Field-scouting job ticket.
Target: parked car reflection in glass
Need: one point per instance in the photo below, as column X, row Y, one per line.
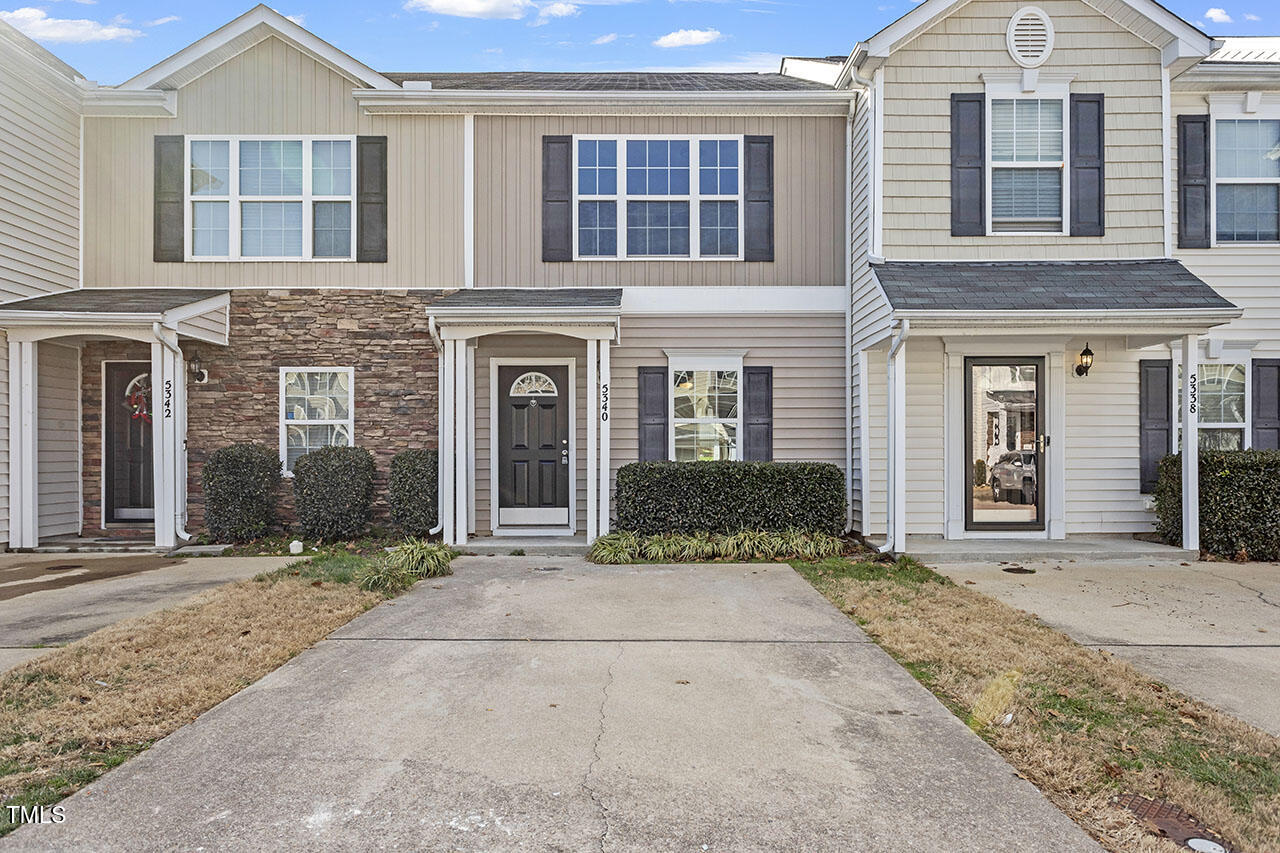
column 1014, row 478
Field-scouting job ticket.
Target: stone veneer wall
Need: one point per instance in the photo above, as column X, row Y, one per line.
column 383, row 334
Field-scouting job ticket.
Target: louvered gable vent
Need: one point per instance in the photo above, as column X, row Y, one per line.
column 1030, row 37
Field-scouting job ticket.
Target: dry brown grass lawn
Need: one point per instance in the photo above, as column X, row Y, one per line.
column 1085, row 726
column 71, row 715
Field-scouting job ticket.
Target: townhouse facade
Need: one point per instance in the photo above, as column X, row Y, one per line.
column 894, row 262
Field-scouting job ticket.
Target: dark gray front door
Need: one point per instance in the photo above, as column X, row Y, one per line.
column 533, row 445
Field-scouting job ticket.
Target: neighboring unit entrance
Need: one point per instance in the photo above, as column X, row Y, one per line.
column 126, row 443
column 533, row 445
column 1005, row 443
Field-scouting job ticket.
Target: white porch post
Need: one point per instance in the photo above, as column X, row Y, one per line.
column 1190, row 443
column 446, row 508
column 471, row 436
column 163, row 434
column 460, row 442
column 605, row 479
column 592, row 395
column 24, row 531
column 897, row 468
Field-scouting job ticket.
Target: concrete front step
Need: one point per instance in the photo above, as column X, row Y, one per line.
column 928, row 549
column 539, row 546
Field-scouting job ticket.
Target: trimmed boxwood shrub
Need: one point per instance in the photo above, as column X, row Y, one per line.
column 241, row 484
column 412, row 490
column 725, row 497
column 333, row 490
column 1239, row 503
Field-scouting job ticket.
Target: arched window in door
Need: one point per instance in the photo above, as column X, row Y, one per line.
column 533, row 384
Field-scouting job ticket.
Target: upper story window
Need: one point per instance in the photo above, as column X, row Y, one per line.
column 1247, row 191
column 657, row 197
column 270, row 198
column 1027, row 164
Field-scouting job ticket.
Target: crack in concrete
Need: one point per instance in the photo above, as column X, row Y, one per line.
column 595, row 754
column 1262, row 596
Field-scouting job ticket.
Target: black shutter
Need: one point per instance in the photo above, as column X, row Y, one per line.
column 371, row 199
column 757, row 417
column 167, row 243
column 1193, row 182
column 968, row 165
column 557, row 198
column 652, row 392
column 757, row 198
column 1088, row 166
column 1266, row 404
column 1155, row 424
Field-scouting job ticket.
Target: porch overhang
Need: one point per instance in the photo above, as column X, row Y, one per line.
column 196, row 314
column 1159, row 325
column 588, row 313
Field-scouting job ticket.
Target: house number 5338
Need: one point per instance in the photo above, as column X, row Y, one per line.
column 604, row 402
column 1194, row 396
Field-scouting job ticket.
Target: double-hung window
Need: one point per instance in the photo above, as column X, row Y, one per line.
column 658, row 197
column 1222, row 395
column 1028, row 162
column 1247, row 192
column 270, row 198
column 316, row 410
column 706, row 408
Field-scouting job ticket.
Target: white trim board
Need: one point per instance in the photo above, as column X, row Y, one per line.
column 720, row 301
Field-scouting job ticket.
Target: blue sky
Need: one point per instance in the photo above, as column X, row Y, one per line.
column 111, row 40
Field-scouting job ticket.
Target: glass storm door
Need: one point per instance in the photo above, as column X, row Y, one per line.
column 1005, row 442
column 127, row 443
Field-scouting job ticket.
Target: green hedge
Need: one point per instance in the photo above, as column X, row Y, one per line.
column 1239, row 503
column 725, row 497
column 333, row 490
column 413, row 490
column 241, row 485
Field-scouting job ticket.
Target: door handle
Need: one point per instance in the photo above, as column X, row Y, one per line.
column 1041, row 443
column 564, row 457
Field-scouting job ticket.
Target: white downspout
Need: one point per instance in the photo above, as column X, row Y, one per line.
column 179, row 513
column 891, row 494
column 848, row 317
column 435, row 338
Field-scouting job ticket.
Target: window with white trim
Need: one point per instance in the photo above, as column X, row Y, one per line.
column 1246, row 165
column 1027, row 139
column 658, row 197
column 316, row 410
column 706, row 409
column 270, row 198
column 1222, row 394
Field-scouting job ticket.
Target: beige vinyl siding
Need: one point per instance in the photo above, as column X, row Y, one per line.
column 1249, row 276
column 58, row 437
column 808, row 203
column 876, row 424
column 39, row 178
column 950, row 57
column 211, row 323
column 273, row 88
column 4, row 437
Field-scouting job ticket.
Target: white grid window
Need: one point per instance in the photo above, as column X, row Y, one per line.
column 1222, row 395
column 317, row 410
column 1028, row 161
column 705, row 394
column 657, row 197
column 270, row 198
column 1247, row 192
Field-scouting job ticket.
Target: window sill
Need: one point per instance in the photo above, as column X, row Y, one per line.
column 202, row 260
column 652, row 258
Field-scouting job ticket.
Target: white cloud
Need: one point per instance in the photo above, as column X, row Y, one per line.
column 1218, row 16
column 745, row 63
column 1249, row 16
column 510, row 9
column 300, row 20
column 687, row 38
column 38, row 25
column 605, row 39
column 160, row 22
column 557, row 9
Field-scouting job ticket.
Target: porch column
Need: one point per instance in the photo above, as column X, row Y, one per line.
column 604, row 436
column 897, row 467
column 460, row 441
column 471, row 436
column 592, row 395
column 1190, row 443
column 163, row 440
column 446, row 507
column 24, row 494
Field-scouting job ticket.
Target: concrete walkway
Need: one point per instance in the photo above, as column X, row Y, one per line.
column 547, row 704
column 1211, row 630
column 57, row 599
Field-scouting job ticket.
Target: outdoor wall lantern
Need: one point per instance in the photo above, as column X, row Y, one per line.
column 1086, row 361
column 198, row 373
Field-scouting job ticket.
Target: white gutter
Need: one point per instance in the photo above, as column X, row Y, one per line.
column 179, row 515
column 440, row 97
column 435, row 338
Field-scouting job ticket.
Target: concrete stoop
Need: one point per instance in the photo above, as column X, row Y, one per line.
column 533, row 546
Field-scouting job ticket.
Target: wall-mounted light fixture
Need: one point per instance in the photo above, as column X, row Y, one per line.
column 1086, row 361
column 198, row 373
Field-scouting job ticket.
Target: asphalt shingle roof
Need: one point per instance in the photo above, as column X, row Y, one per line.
column 1048, row 286
column 538, row 297
column 143, row 300
column 629, row 81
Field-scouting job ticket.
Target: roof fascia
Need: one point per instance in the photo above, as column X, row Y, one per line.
column 461, row 100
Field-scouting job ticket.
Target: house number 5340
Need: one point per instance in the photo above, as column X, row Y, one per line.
column 604, row 402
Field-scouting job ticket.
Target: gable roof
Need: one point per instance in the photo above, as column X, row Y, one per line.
column 259, row 23
column 623, row 81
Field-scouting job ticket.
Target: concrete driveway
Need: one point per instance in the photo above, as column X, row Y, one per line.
column 1211, row 630
column 49, row 600
column 547, row 704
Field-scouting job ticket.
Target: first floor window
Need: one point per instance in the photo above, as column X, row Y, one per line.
column 1222, row 412
column 316, row 410
column 705, row 414
column 1247, row 195
column 1027, row 164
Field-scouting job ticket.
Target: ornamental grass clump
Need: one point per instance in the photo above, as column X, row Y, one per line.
column 744, row 545
column 615, row 549
column 422, row 559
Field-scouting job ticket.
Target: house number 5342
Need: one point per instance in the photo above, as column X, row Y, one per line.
column 604, row 402
column 168, row 398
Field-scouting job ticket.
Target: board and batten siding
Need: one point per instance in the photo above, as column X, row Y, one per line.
column 58, row 439
column 272, row 88
column 808, row 203
column 1247, row 275
column 919, row 79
